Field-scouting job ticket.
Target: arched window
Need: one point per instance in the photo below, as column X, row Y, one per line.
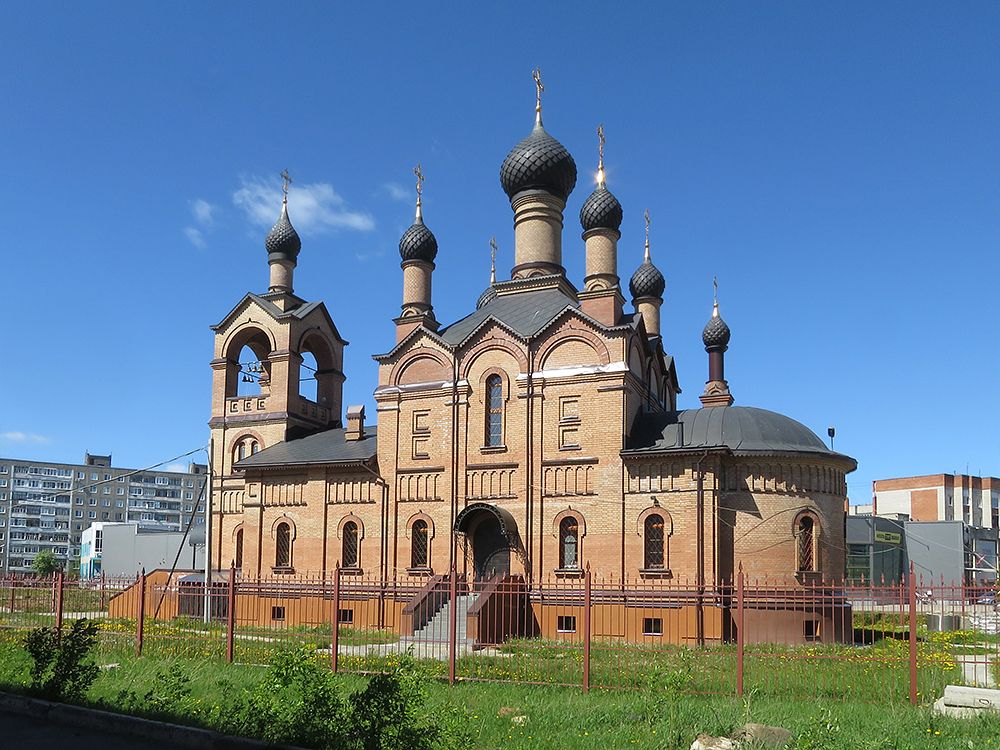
column 805, row 533
column 419, row 544
column 239, row 548
column 494, row 411
column 569, row 543
column 241, row 450
column 654, row 542
column 254, row 447
column 349, row 556
column 283, row 546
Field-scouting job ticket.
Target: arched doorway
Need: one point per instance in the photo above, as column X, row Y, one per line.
column 490, row 549
column 491, row 532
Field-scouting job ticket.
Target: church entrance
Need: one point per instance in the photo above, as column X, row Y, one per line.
column 490, row 550
column 490, row 537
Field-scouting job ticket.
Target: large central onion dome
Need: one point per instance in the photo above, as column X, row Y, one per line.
column 282, row 242
column 539, row 162
column 647, row 281
column 418, row 243
column 601, row 210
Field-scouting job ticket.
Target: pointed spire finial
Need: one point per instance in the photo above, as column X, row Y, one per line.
column 420, row 190
column 646, row 217
column 286, row 180
column 493, row 261
column 600, row 155
column 715, row 297
column 536, row 74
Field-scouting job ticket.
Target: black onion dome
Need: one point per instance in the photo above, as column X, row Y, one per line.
column 282, row 242
column 486, row 297
column 539, row 162
column 647, row 281
column 418, row 243
column 716, row 334
column 601, row 211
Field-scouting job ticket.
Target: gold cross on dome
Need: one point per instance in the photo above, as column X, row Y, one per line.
column 286, row 180
column 536, row 74
column 645, row 215
column 715, row 293
column 600, row 146
column 420, row 180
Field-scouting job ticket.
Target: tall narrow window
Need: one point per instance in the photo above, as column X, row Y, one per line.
column 418, row 544
column 806, row 533
column 350, row 548
column 241, row 451
column 494, row 411
column 283, row 546
column 238, row 560
column 654, row 542
column 254, row 447
column 569, row 544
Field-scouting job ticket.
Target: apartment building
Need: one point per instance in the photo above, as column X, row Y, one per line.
column 937, row 497
column 47, row 506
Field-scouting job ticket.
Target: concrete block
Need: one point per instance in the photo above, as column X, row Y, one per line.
column 956, row 712
column 971, row 697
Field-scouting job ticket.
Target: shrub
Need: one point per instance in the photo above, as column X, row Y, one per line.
column 60, row 669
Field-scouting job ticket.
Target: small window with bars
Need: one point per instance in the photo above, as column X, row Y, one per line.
column 283, row 546
column 806, row 544
column 419, row 544
column 349, row 550
column 654, row 542
column 569, row 544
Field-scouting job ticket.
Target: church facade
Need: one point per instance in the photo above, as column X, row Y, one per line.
column 534, row 438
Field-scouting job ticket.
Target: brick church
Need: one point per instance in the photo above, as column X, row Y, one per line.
column 534, row 437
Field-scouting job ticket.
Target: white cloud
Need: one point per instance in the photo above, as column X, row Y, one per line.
column 397, row 192
column 176, row 467
column 203, row 212
column 364, row 257
column 23, row 437
column 313, row 208
column 195, row 236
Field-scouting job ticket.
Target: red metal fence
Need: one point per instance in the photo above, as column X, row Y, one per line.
column 879, row 642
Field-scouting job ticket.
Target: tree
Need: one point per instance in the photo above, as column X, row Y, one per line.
column 45, row 563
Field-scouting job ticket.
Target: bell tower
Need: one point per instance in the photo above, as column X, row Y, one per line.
column 277, row 375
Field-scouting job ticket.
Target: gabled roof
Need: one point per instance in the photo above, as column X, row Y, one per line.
column 277, row 313
column 328, row 447
column 525, row 313
column 741, row 429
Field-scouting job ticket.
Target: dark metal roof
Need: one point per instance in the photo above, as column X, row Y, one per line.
column 418, row 243
column 282, row 242
column 277, row 313
column 601, row 210
column 328, row 447
column 489, row 294
column 539, row 162
column 647, row 281
column 741, row 429
column 525, row 313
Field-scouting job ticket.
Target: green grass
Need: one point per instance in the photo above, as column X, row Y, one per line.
column 564, row 717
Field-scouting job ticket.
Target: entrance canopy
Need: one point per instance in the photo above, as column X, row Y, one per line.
column 508, row 526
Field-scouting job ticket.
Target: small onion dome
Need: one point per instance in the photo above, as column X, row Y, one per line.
column 539, row 162
column 716, row 333
column 418, row 243
column 601, row 211
column 486, row 297
column 282, row 242
column 647, row 281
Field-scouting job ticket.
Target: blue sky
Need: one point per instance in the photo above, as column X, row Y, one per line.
column 836, row 165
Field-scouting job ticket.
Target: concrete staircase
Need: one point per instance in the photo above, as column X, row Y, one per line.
column 436, row 629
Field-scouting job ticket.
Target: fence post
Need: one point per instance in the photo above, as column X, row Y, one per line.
column 335, row 635
column 740, row 576
column 141, row 614
column 13, row 584
column 912, row 585
column 452, row 623
column 586, row 629
column 59, row 605
column 231, row 614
